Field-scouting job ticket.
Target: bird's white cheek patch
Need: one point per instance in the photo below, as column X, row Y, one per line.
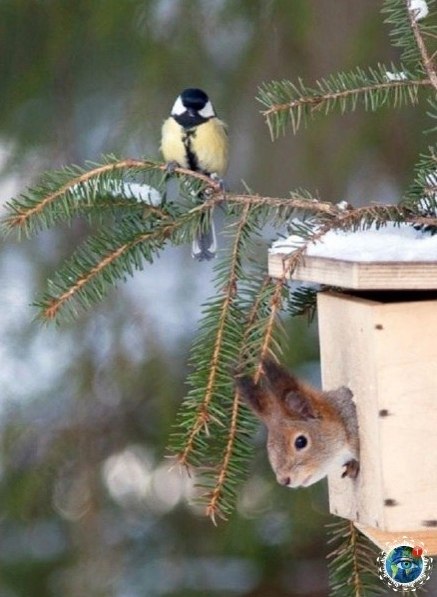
column 207, row 111
column 178, row 107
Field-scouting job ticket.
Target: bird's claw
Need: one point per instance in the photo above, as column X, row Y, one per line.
column 218, row 181
column 170, row 167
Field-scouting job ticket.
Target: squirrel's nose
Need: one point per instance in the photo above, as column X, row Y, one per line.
column 284, row 480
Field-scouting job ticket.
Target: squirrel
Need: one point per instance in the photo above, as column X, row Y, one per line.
column 310, row 433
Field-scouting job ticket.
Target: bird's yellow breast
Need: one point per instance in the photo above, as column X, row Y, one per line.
column 172, row 145
column 208, row 142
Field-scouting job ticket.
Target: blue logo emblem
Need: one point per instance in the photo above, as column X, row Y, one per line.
column 404, row 565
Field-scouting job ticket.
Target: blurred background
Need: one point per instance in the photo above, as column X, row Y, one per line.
column 87, row 503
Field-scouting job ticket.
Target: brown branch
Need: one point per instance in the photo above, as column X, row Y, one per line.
column 57, row 303
column 19, row 219
column 319, row 207
column 315, row 101
column 275, row 307
column 202, row 412
column 422, row 220
column 213, row 508
column 403, row 212
column 427, row 61
column 253, row 314
column 295, row 201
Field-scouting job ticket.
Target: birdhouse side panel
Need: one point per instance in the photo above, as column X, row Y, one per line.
column 386, row 353
column 346, row 332
column 406, row 349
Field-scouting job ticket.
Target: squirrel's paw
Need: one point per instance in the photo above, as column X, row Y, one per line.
column 352, row 468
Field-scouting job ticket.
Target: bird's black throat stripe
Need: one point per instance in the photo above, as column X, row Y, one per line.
column 187, row 138
column 189, row 119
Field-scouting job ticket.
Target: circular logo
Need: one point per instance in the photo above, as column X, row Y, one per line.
column 404, row 565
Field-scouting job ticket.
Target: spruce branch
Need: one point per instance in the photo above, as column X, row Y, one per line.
column 111, row 255
column 401, row 33
column 303, row 300
column 257, row 341
column 255, row 310
column 30, row 207
column 276, row 304
column 352, row 563
column 293, row 103
column 214, row 507
column 85, row 278
column 73, row 191
column 221, row 456
column 298, row 200
column 281, row 209
column 421, row 198
column 203, row 414
column 427, row 60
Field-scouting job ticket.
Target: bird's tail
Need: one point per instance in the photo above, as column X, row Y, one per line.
column 204, row 245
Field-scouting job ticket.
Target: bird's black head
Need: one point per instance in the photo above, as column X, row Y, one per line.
column 192, row 107
column 196, row 99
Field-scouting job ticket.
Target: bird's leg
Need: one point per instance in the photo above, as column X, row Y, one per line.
column 170, row 167
column 169, row 170
column 219, row 181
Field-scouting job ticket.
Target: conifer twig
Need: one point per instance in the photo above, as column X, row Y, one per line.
column 275, row 307
column 203, row 414
column 427, row 60
column 213, row 506
column 295, row 201
column 352, row 562
column 22, row 214
column 51, row 311
column 19, row 219
column 316, row 101
column 325, row 208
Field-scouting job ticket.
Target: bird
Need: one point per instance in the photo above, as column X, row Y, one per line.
column 193, row 137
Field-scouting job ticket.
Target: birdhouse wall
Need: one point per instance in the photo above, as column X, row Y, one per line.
column 386, row 353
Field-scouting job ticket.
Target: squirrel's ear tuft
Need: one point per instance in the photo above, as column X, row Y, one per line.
column 278, row 379
column 299, row 406
column 253, row 394
column 273, row 372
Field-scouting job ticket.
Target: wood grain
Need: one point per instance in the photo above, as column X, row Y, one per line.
column 386, row 353
column 359, row 275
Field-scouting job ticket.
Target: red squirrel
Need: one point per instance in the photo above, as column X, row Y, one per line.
column 310, row 433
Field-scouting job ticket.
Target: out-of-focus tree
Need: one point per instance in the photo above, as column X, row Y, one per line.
column 88, row 504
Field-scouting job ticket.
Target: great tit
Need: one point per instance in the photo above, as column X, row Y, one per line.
column 193, row 137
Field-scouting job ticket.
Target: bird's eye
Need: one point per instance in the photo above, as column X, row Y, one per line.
column 300, row 442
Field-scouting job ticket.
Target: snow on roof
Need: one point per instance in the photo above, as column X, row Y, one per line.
column 392, row 242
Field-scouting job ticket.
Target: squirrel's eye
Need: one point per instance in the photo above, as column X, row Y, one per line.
column 300, row 442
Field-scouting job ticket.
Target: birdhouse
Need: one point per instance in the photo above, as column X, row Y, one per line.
column 379, row 338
